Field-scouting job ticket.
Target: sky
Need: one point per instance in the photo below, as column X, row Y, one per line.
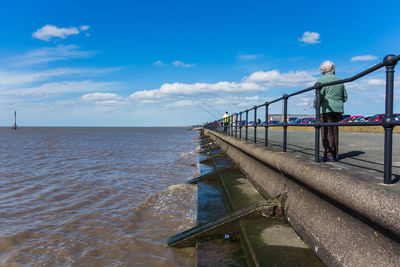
column 173, row 63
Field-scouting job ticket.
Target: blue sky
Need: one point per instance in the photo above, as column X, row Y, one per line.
column 144, row 63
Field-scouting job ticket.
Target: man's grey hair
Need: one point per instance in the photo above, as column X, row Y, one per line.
column 327, row 66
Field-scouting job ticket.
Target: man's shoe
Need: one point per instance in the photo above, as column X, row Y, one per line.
column 330, row 159
column 322, row 159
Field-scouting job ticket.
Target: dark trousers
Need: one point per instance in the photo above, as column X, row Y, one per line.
column 330, row 134
column 225, row 127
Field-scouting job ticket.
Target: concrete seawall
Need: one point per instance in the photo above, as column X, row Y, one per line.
column 347, row 219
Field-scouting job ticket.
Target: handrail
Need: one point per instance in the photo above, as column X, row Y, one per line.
column 388, row 122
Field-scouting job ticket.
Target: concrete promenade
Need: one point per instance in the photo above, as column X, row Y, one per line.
column 342, row 209
column 359, row 152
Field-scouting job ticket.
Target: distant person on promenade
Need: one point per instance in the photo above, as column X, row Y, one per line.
column 234, row 120
column 225, row 119
column 331, row 110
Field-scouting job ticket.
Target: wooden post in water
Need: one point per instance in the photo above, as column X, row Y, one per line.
column 15, row 127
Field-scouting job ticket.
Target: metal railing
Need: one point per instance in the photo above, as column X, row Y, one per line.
column 388, row 122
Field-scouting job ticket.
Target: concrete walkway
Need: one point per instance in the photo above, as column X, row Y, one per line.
column 359, row 152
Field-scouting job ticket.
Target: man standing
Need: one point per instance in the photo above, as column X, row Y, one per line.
column 225, row 119
column 331, row 110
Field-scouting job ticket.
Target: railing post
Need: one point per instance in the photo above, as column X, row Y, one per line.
column 247, row 123
column 284, row 124
column 266, row 124
column 390, row 63
column 236, row 124
column 231, row 125
column 240, row 125
column 317, row 120
column 255, row 124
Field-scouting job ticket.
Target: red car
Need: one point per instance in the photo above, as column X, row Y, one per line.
column 308, row 120
column 350, row 119
column 377, row 117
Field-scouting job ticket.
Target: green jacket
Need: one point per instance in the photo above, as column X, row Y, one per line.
column 332, row 97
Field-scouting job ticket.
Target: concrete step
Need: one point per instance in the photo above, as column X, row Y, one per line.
column 272, row 242
column 237, row 226
column 238, row 190
column 267, row 240
column 220, row 252
column 209, row 175
column 219, row 227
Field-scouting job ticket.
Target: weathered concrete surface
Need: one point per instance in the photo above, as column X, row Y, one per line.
column 267, row 239
column 333, row 230
column 274, row 243
column 219, row 253
column 375, row 201
column 361, row 153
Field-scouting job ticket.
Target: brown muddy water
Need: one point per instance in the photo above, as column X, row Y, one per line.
column 96, row 196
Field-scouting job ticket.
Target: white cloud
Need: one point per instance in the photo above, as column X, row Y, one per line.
column 147, row 101
column 49, row 54
column 54, row 89
column 182, row 89
column 182, row 103
column 48, row 32
column 372, row 84
column 310, row 38
column 178, row 63
column 364, row 58
column 101, row 97
column 256, row 82
column 160, row 63
column 84, row 28
column 274, row 78
column 236, row 101
column 376, row 82
column 248, row 57
column 111, row 103
column 12, row 79
column 304, row 101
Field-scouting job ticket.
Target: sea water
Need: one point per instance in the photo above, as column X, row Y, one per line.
column 96, row 196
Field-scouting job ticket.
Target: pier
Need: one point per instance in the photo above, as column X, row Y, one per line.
column 346, row 212
column 348, row 218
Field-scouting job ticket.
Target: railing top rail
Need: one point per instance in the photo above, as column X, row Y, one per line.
column 391, row 59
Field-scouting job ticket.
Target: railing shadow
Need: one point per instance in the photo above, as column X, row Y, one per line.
column 352, row 155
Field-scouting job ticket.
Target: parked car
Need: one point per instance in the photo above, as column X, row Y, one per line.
column 365, row 118
column 301, row 120
column 359, row 119
column 350, row 119
column 379, row 117
column 307, row 120
column 274, row 122
column 292, row 119
column 376, row 117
